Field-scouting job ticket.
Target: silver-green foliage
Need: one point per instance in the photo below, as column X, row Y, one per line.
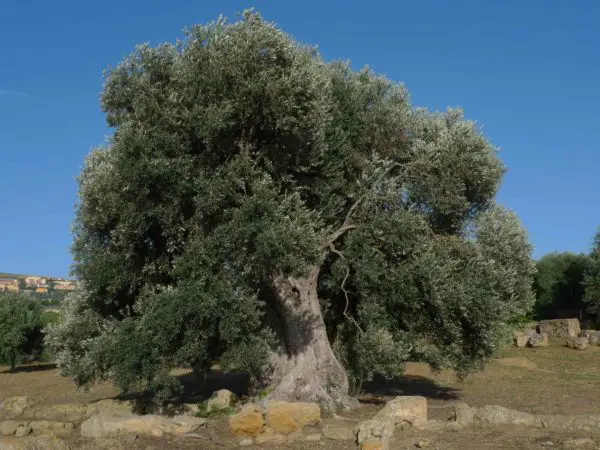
column 558, row 283
column 20, row 329
column 238, row 154
column 591, row 280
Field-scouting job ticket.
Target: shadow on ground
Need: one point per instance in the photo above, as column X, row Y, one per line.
column 238, row 383
column 31, row 368
column 409, row 385
column 195, row 391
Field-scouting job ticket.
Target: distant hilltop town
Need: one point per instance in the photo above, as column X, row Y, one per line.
column 33, row 283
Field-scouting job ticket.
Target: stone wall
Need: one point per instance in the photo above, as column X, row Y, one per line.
column 560, row 327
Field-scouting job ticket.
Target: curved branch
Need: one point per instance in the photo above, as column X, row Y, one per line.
column 336, row 235
column 345, row 226
column 344, row 290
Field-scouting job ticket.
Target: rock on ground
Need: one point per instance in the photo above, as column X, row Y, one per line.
column 374, row 434
column 578, row 343
column 110, row 407
column 560, row 327
column 411, row 409
column 377, row 432
column 248, row 422
column 338, row 432
column 493, row 415
column 220, row 400
column 23, row 430
column 538, row 340
column 592, row 335
column 499, row 415
column 287, row 417
column 588, row 333
column 61, row 413
column 565, row 422
column 463, row 414
column 48, row 442
column 372, row 445
column 25, row 408
column 269, row 435
column 56, row 427
column 578, row 443
column 100, row 426
column 521, row 340
column 313, row 437
column 9, row 427
column 14, row 407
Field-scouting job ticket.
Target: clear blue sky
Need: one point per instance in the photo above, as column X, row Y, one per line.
column 528, row 71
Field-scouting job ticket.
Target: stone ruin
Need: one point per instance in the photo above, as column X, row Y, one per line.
column 25, row 425
column 536, row 335
column 563, row 328
column 530, row 337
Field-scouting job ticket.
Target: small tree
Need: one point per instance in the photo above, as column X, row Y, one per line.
column 591, row 280
column 558, row 284
column 20, row 329
column 285, row 216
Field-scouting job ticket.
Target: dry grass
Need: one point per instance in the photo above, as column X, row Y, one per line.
column 551, row 380
column 547, row 380
column 43, row 383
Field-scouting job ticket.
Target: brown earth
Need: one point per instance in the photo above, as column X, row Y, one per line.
column 546, row 380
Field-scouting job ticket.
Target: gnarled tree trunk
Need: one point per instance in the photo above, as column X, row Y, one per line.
column 305, row 366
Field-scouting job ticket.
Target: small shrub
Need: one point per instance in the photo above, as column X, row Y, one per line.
column 216, row 414
column 21, row 337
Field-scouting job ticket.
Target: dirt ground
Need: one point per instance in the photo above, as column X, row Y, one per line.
column 551, row 380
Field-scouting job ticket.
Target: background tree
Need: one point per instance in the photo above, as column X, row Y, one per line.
column 261, row 207
column 592, row 279
column 558, row 284
column 21, row 336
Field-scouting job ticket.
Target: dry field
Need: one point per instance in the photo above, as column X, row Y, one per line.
column 552, row 380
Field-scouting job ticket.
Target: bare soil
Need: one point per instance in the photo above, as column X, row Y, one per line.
column 551, row 380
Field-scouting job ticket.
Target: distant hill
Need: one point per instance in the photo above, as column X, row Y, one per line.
column 20, row 276
column 49, row 290
column 12, row 275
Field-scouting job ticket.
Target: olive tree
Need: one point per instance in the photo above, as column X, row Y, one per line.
column 591, row 281
column 20, row 329
column 285, row 216
column 558, row 283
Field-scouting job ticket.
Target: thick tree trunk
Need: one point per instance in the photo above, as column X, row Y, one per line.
column 305, row 367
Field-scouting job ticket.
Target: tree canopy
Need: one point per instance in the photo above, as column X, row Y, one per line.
column 259, row 206
column 592, row 279
column 20, row 329
column 558, row 284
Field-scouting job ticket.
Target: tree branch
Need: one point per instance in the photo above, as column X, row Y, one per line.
column 345, row 227
column 350, row 211
column 343, row 287
column 336, row 235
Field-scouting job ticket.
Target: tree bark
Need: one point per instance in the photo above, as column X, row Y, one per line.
column 305, row 366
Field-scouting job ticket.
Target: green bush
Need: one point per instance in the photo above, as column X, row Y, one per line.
column 21, row 337
column 215, row 414
column 558, row 284
column 591, row 280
